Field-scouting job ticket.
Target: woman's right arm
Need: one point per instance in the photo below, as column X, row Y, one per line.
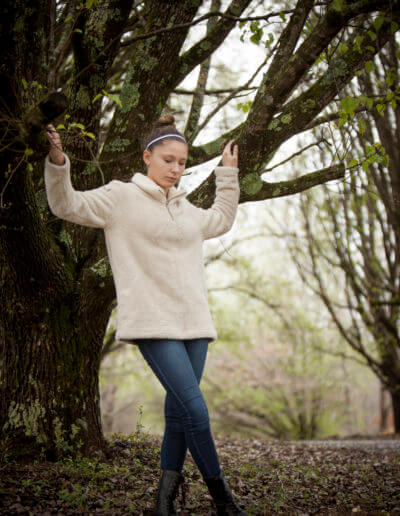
column 93, row 208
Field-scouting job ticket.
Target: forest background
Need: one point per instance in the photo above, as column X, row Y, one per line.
column 292, row 377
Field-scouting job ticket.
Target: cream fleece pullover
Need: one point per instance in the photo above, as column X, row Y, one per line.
column 155, row 246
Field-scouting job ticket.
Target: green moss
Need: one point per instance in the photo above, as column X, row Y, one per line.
column 274, row 125
column 65, row 237
column 333, row 72
column 90, row 169
column 184, row 68
column 307, row 105
column 149, row 63
column 235, row 10
column 277, row 191
column 251, row 183
column 101, row 268
column 27, row 417
column 83, row 97
column 96, row 82
column 205, row 45
column 286, row 119
column 117, row 145
column 19, row 25
column 129, row 96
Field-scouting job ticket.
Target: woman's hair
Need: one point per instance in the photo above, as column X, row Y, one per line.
column 164, row 125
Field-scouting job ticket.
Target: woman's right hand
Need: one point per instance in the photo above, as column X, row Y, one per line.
column 55, row 152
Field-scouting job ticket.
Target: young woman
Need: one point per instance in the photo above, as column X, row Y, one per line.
column 154, row 238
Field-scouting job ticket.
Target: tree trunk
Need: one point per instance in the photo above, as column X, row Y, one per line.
column 49, row 393
column 396, row 409
column 384, row 409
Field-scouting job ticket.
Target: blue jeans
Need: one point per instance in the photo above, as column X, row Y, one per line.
column 179, row 364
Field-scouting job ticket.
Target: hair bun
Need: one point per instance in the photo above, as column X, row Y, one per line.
column 166, row 120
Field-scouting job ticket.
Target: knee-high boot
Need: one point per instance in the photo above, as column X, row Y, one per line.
column 223, row 497
column 167, row 490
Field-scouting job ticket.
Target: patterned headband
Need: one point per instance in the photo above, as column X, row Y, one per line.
column 165, row 136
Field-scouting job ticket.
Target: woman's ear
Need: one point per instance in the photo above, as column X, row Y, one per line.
column 146, row 156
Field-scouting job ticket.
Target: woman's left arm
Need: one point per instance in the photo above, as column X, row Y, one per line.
column 219, row 219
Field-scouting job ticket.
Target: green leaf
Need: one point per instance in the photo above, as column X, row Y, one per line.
column 77, row 124
column 256, row 38
column 365, row 166
column 28, row 152
column 90, row 135
column 115, row 98
column 369, row 66
column 370, row 48
column 363, row 99
column 370, row 103
column 380, row 108
column 395, row 27
column 353, row 163
column 362, row 126
column 389, row 95
column 60, row 126
column 343, row 48
column 254, row 26
column 389, row 79
column 269, row 40
column 98, row 96
column 357, row 44
column 24, row 83
column 283, row 17
column 372, row 35
column 245, row 106
column 78, row 30
column 349, row 105
column 378, row 22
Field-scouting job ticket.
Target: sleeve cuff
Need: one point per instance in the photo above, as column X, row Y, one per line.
column 53, row 166
column 221, row 170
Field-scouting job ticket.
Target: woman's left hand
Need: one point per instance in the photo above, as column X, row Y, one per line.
column 229, row 158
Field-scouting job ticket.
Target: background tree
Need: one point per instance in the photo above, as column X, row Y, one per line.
column 353, row 231
column 57, row 288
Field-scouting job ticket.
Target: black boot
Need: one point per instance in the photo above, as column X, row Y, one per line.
column 222, row 496
column 167, row 490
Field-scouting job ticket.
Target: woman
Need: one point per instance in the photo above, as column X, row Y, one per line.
column 154, row 238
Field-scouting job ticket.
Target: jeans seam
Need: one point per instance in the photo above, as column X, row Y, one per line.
column 177, row 397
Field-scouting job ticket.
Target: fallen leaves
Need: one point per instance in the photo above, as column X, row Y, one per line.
column 266, row 477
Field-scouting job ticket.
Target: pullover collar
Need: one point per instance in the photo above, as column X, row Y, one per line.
column 152, row 188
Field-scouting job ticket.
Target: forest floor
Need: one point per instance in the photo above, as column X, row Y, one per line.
column 357, row 475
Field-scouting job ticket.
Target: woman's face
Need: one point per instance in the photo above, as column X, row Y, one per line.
column 166, row 162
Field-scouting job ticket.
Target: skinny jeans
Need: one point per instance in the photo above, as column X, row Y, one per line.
column 179, row 364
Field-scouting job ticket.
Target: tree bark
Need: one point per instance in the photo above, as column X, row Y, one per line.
column 395, row 395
